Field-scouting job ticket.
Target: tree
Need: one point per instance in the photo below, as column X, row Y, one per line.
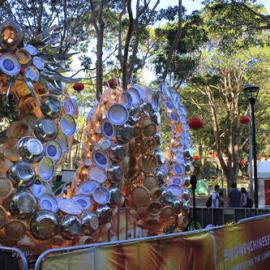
column 39, row 16
column 183, row 61
column 219, row 50
column 144, row 15
column 236, row 19
column 216, row 90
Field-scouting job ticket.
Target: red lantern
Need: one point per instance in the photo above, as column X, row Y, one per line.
column 196, row 122
column 196, row 157
column 244, row 119
column 112, row 83
column 78, row 86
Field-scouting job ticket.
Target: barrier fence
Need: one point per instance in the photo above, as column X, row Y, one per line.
column 245, row 245
column 126, row 229
column 12, row 258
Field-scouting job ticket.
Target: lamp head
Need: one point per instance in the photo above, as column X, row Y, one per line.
column 251, row 91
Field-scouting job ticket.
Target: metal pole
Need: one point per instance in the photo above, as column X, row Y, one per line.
column 193, row 182
column 250, row 154
column 252, row 102
column 194, row 208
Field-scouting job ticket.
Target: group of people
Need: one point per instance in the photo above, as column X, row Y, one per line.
column 237, row 198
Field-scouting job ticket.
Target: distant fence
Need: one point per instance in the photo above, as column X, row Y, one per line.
column 221, row 216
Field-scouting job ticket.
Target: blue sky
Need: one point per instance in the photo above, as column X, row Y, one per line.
column 191, row 5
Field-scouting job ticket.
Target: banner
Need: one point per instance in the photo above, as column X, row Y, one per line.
column 235, row 247
column 243, row 246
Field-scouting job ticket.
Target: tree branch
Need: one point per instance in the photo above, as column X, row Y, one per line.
column 175, row 42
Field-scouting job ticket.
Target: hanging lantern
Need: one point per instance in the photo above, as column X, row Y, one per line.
column 112, row 83
column 196, row 157
column 244, row 119
column 78, row 86
column 196, row 122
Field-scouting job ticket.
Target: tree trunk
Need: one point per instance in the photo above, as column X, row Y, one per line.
column 134, row 54
column 128, row 39
column 97, row 19
column 99, row 70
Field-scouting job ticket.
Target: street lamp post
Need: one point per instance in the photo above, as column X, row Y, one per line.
column 251, row 92
column 250, row 155
column 193, row 182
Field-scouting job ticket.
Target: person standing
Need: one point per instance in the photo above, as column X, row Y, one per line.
column 234, row 196
column 216, row 198
column 243, row 197
column 221, row 200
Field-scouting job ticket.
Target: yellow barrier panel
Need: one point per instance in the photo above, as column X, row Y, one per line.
column 234, row 247
column 77, row 260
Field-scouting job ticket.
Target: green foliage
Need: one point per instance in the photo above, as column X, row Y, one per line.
column 193, row 35
column 222, row 47
column 234, row 24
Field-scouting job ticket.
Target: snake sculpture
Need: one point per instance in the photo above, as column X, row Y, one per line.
column 122, row 163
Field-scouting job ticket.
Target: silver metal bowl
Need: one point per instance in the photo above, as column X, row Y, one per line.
column 115, row 174
column 45, row 129
column 177, row 205
column 134, row 116
column 116, row 197
column 43, row 224
column 104, row 214
column 22, row 204
column 159, row 155
column 160, row 175
column 125, row 133
column 155, row 117
column 118, row 152
column 149, row 130
column 147, row 107
column 30, row 149
column 157, row 138
column 70, row 226
column 167, row 196
column 51, row 107
column 22, row 174
column 89, row 222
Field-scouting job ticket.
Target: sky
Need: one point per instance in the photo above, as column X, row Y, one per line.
column 192, row 5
